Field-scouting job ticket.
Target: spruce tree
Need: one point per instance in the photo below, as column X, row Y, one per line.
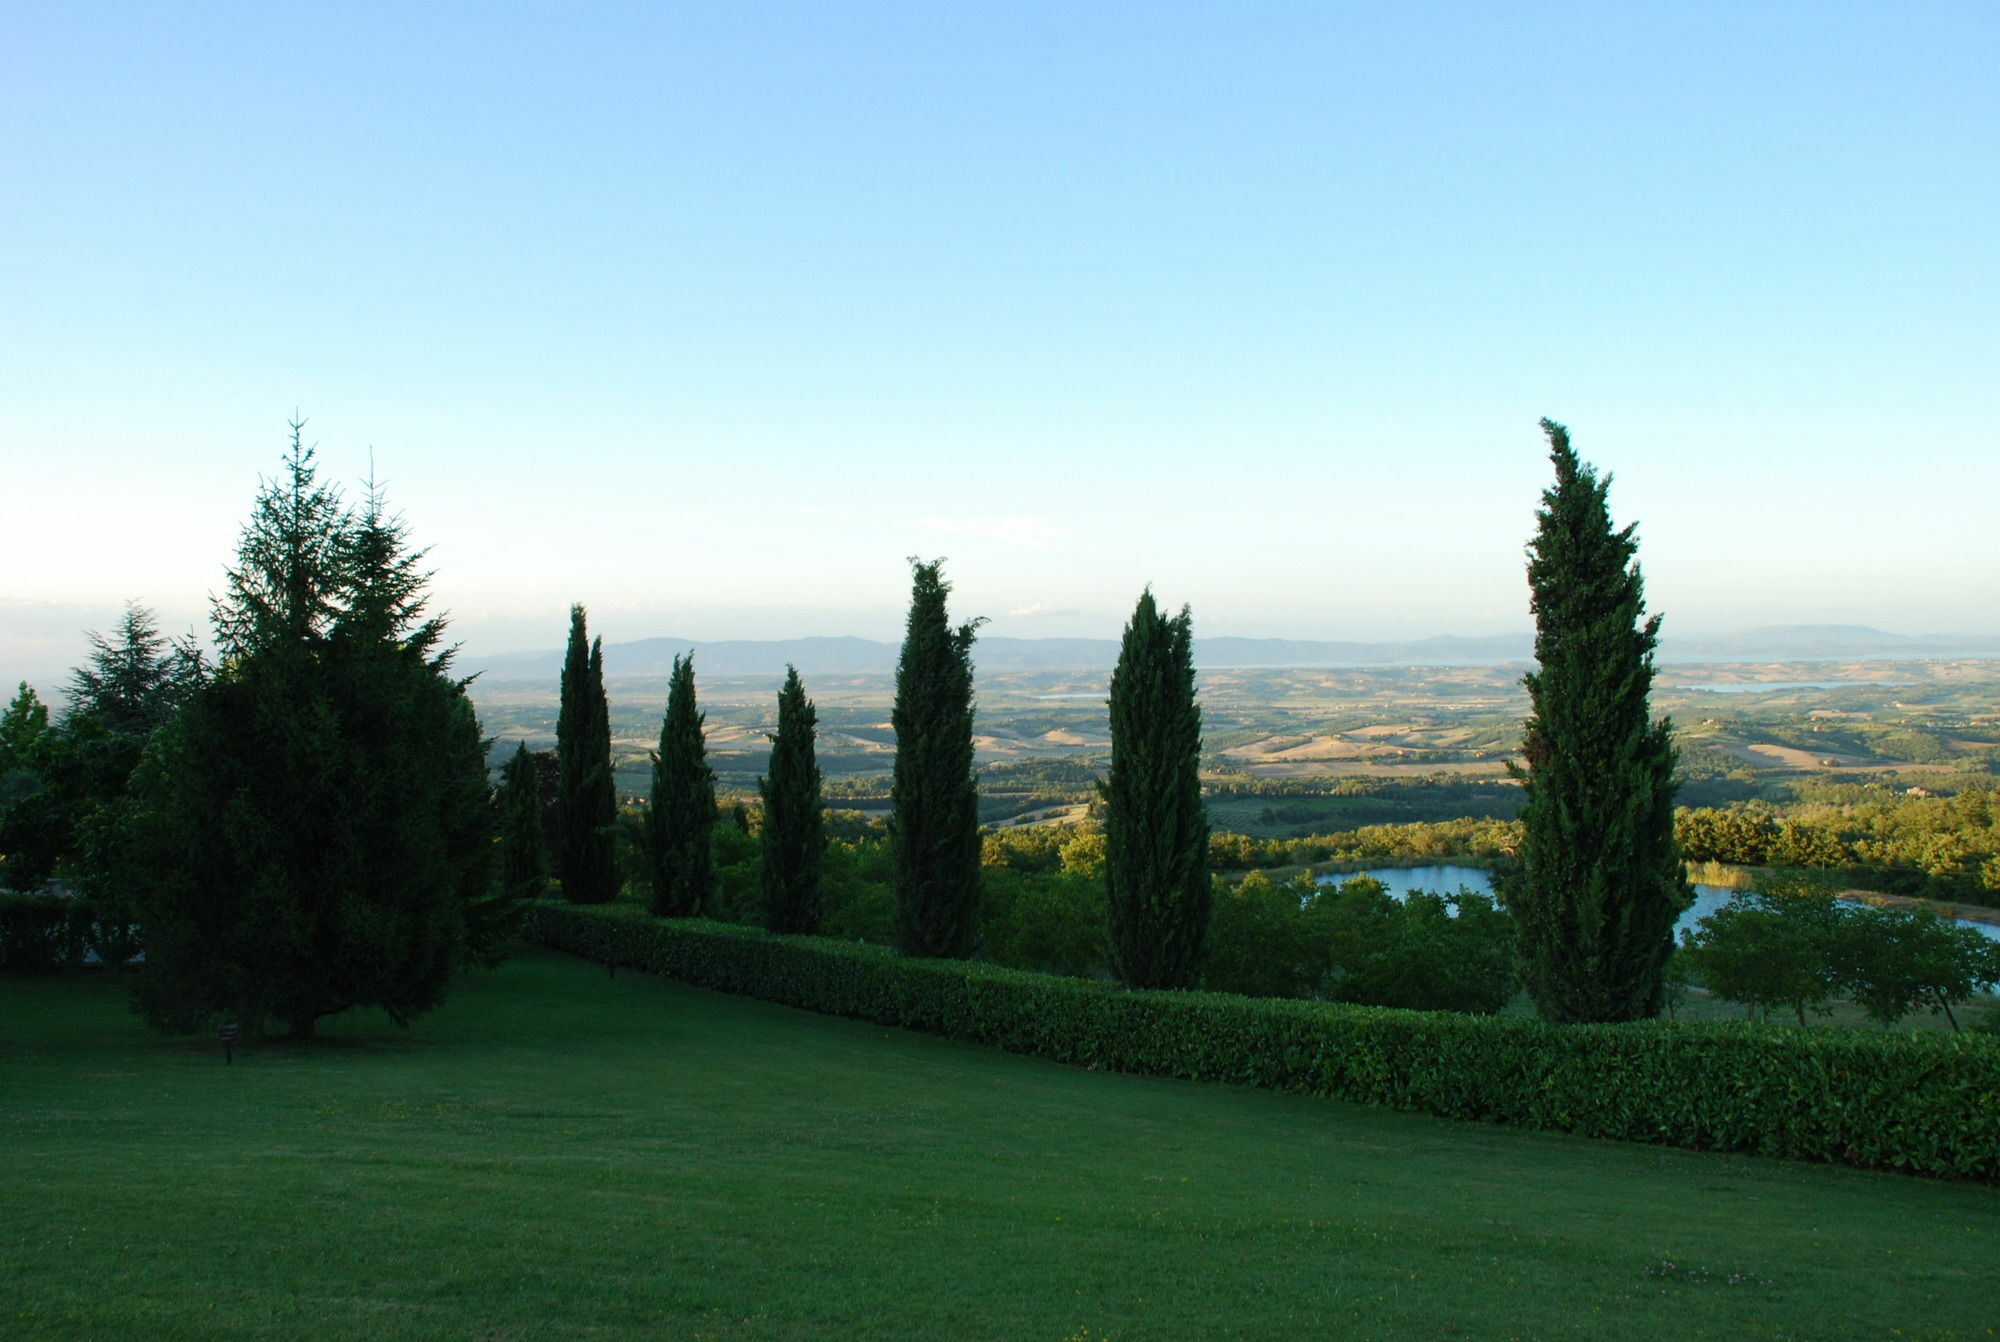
column 1155, row 827
column 588, row 800
column 934, row 817
column 682, row 815
column 1601, row 881
column 794, row 833
column 311, row 831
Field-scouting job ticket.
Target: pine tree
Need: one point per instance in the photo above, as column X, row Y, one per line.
column 1601, row 880
column 134, row 679
column 682, row 814
column 312, row 830
column 1155, row 827
column 794, row 833
column 588, row 797
column 934, row 819
column 21, row 729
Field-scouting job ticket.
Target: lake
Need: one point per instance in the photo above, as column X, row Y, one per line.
column 1447, row 879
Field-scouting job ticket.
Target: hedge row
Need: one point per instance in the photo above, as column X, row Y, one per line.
column 1923, row 1103
column 43, row 933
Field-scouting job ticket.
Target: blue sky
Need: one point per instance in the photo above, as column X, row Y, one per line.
column 710, row 315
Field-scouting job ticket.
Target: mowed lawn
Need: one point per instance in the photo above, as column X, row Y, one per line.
column 562, row 1154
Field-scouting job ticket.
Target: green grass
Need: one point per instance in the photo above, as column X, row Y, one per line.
column 557, row 1153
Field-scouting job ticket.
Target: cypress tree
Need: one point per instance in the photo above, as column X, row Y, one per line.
column 934, row 816
column 1155, row 827
column 524, row 859
column 794, row 834
column 1601, row 880
column 587, row 800
column 682, row 814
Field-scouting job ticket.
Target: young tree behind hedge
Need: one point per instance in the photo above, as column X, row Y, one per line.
column 934, row 819
column 524, row 858
column 682, row 814
column 588, row 800
column 794, row 830
column 1601, row 881
column 1155, row 826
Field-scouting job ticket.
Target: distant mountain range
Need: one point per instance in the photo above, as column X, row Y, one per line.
column 653, row 657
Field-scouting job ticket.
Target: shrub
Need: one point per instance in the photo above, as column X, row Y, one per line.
column 40, row 933
column 1921, row 1103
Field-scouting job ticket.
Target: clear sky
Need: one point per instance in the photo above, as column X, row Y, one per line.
column 708, row 315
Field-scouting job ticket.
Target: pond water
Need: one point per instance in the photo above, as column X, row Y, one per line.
column 1446, row 879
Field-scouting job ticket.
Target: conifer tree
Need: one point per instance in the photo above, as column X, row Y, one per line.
column 1155, row 826
column 934, row 819
column 682, row 815
column 21, row 729
column 1601, row 881
column 524, row 860
column 311, row 831
column 588, row 799
column 794, row 833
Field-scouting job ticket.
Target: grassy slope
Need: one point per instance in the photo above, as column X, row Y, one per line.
column 556, row 1153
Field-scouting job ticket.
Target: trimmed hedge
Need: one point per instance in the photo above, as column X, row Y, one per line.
column 1922, row 1103
column 42, row 933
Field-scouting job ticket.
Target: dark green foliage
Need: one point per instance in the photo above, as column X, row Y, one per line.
column 21, row 729
column 681, row 819
column 62, row 788
column 135, row 679
column 1899, row 960
column 794, row 826
column 1354, row 942
column 1780, row 948
column 587, row 798
column 1927, row 1104
column 40, row 933
column 1601, row 882
column 524, row 858
column 1155, row 829
column 1790, row 944
column 311, row 830
column 1052, row 921
column 1260, row 941
column 1430, row 952
column 934, row 828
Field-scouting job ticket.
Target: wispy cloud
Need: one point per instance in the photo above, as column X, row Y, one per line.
column 1033, row 533
column 1039, row 608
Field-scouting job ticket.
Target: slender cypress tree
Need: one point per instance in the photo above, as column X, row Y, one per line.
column 524, row 860
column 588, row 801
column 934, row 818
column 1155, row 827
column 794, row 835
column 682, row 814
column 1601, row 881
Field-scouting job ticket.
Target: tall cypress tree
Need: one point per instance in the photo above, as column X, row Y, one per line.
column 587, row 798
column 1601, row 880
column 934, row 819
column 1155, row 827
column 794, row 834
column 682, row 815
